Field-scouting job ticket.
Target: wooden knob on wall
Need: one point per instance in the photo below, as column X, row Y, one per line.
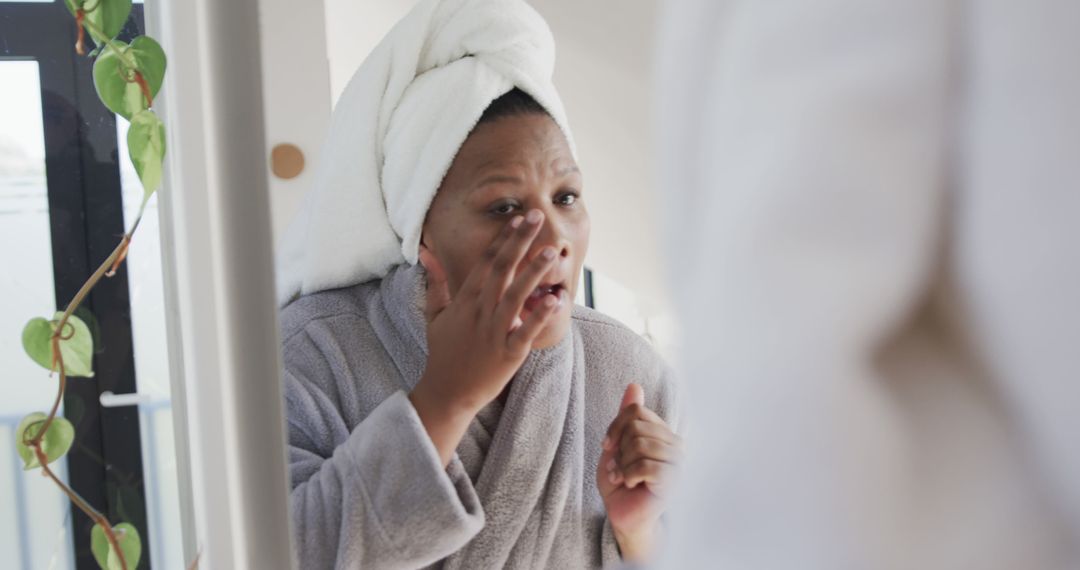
column 286, row 161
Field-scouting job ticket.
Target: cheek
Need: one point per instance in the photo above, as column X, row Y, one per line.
column 461, row 250
column 580, row 238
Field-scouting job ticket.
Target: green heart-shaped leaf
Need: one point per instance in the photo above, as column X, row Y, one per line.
column 115, row 79
column 146, row 145
column 95, row 329
column 150, row 61
column 37, row 342
column 130, row 546
column 99, row 545
column 76, row 345
column 55, row 444
column 115, row 86
column 109, row 16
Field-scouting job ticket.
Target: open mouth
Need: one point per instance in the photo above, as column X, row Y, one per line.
column 536, row 298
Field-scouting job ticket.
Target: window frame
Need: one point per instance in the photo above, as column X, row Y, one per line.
column 85, row 218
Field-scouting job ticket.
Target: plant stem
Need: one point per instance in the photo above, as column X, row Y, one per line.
column 74, row 304
column 59, row 397
column 124, row 243
column 85, row 507
column 91, row 282
column 138, row 217
column 145, row 88
column 80, row 47
column 99, row 36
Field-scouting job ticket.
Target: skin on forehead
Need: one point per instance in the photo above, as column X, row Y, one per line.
column 534, row 152
column 504, row 169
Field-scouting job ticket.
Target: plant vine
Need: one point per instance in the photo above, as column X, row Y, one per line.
column 127, row 77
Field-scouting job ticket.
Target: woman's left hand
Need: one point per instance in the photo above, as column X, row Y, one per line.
column 635, row 469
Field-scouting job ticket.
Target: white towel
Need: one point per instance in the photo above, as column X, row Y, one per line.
column 396, row 130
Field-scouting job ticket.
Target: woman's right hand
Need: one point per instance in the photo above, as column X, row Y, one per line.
column 476, row 341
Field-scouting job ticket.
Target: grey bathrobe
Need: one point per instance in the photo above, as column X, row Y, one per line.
column 368, row 489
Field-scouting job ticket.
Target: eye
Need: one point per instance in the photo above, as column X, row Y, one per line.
column 567, row 198
column 504, row 208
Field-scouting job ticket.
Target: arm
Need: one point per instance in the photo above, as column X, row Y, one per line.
column 380, row 497
column 476, row 339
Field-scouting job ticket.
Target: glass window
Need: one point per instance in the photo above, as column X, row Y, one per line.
column 610, row 297
column 36, row 527
column 622, row 303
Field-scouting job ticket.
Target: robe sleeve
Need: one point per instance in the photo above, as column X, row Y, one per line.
column 610, row 556
column 380, row 498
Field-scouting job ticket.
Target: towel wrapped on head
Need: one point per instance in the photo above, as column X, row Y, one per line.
column 397, row 128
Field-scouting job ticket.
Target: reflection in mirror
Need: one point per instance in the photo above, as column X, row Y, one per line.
column 442, row 385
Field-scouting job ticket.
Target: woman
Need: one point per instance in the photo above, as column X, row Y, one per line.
column 458, row 412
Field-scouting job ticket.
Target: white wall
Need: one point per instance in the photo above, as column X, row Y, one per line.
column 295, row 92
column 602, row 72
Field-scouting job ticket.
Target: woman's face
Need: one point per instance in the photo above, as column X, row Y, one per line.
column 504, row 169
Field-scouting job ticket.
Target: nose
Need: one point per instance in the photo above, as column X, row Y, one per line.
column 554, row 235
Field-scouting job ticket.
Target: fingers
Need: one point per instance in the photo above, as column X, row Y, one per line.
column 606, row 480
column 522, row 337
column 474, row 282
column 643, row 440
column 635, row 445
column 634, row 394
column 613, row 477
column 647, row 429
column 438, row 291
column 648, row 471
column 639, row 446
column 507, row 257
column 527, row 280
column 628, row 414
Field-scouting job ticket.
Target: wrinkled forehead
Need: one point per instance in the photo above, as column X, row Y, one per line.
column 521, row 146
